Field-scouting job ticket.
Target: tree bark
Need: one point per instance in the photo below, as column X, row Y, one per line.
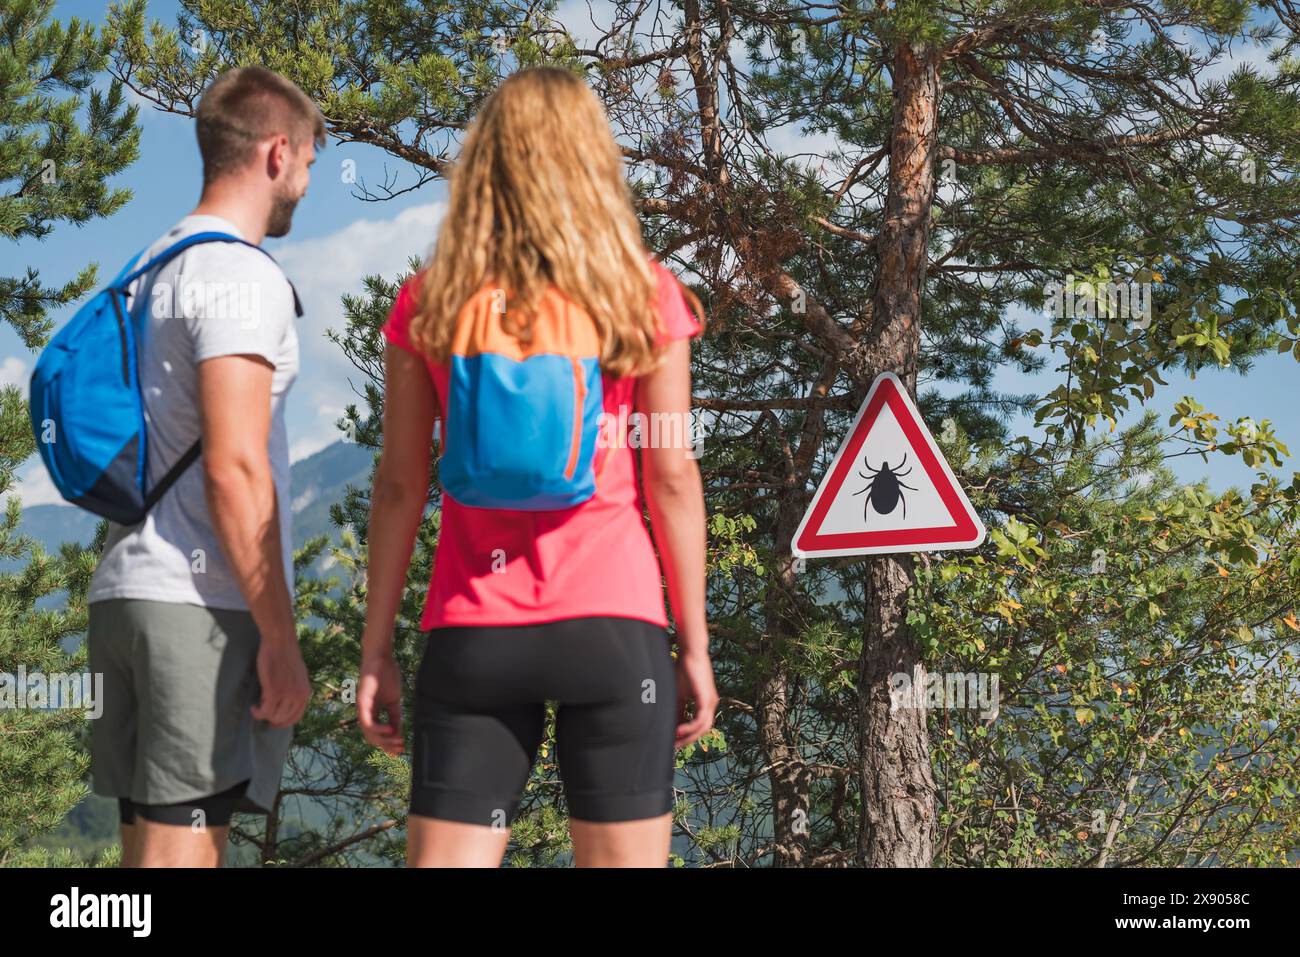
column 897, row 786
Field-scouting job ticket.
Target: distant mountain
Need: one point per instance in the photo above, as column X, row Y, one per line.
column 316, row 482
column 52, row 525
column 319, row 481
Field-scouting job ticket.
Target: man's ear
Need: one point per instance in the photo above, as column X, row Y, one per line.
column 278, row 156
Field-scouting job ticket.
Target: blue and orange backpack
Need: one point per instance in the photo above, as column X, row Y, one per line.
column 522, row 422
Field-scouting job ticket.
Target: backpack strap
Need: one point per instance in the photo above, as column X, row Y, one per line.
column 173, row 473
column 178, row 247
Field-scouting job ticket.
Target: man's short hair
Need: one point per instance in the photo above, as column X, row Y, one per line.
column 243, row 107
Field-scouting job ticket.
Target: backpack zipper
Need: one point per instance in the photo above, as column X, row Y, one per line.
column 580, row 395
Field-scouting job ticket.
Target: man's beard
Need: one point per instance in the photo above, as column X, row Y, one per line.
column 281, row 215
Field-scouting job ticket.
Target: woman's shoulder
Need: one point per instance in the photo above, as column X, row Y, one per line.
column 677, row 321
column 668, row 281
column 407, row 301
column 405, row 305
column 409, row 292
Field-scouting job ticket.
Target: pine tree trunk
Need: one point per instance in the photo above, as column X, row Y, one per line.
column 897, row 787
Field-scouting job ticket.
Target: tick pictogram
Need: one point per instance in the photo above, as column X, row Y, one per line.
column 884, row 490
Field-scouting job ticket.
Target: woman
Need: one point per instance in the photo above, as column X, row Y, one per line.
column 545, row 584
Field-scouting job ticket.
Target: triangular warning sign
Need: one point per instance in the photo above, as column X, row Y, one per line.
column 888, row 489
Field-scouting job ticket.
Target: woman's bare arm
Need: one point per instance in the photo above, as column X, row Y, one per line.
column 675, row 498
column 397, row 502
column 675, row 493
column 400, row 491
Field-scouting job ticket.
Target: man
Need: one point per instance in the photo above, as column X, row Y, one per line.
column 191, row 611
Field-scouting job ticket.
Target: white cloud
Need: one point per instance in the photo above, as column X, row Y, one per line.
column 1244, row 53
column 14, row 372
column 323, row 270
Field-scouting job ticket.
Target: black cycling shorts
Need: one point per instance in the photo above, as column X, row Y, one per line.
column 480, row 711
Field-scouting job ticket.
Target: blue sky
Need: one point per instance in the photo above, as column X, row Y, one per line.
column 337, row 239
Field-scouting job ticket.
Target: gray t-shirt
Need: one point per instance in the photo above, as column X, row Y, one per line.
column 212, row 300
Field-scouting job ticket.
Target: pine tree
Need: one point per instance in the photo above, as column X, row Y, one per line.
column 54, row 167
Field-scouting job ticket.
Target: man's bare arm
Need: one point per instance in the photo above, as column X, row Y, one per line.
column 235, row 407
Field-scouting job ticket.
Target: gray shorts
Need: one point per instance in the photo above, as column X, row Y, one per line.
column 178, row 683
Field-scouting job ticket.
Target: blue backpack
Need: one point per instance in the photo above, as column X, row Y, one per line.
column 523, row 420
column 86, row 409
